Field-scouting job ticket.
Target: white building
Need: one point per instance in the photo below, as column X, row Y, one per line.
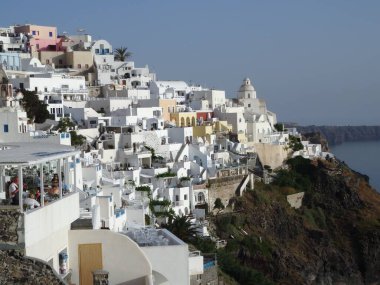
column 178, row 90
column 45, row 228
column 104, row 59
column 215, row 98
column 11, row 41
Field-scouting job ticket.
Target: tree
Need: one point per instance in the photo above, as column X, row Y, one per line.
column 64, row 124
column 36, row 110
column 295, row 143
column 182, row 228
column 77, row 140
column 279, row 127
column 218, row 204
column 121, row 54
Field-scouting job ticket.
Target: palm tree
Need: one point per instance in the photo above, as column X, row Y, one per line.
column 121, row 54
column 182, row 228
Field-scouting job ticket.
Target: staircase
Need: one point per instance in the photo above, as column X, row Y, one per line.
column 242, row 185
column 180, row 152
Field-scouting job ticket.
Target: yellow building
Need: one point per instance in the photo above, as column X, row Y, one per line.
column 222, row 126
column 168, row 107
column 184, row 119
column 58, row 58
column 80, row 60
column 206, row 130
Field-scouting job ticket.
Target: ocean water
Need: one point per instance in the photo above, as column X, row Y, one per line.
column 363, row 157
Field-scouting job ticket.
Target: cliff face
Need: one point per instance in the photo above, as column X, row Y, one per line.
column 334, row 238
column 341, row 134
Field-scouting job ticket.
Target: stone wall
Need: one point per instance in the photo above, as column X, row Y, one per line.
column 223, row 188
column 10, row 226
column 272, row 155
column 17, row 269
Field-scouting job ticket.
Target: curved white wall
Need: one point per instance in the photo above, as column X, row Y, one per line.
column 122, row 257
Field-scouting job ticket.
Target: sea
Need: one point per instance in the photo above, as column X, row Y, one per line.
column 363, row 157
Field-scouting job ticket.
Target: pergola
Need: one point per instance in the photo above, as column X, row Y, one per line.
column 21, row 155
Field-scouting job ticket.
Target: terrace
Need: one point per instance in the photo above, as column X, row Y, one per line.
column 49, row 171
column 146, row 237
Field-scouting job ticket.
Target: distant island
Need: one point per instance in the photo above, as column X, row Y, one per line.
column 340, row 134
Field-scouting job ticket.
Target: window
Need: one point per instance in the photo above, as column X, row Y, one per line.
column 50, row 34
column 6, row 128
column 37, row 46
column 249, row 95
column 86, row 65
column 79, row 65
column 185, row 197
column 47, row 61
column 96, row 50
column 60, row 61
column 107, row 50
column 33, row 33
column 176, row 197
column 45, row 89
column 249, row 105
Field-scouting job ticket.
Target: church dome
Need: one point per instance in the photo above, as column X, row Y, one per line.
column 246, row 86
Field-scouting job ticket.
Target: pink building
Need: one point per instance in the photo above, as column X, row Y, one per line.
column 41, row 37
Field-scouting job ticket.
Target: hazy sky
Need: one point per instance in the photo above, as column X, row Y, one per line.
column 314, row 62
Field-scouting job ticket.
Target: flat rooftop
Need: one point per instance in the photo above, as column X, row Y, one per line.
column 33, row 153
column 146, row 237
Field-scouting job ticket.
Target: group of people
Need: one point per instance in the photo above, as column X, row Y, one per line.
column 31, row 200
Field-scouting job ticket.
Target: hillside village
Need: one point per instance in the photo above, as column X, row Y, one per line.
column 119, row 155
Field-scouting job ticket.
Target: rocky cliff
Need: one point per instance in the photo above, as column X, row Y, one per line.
column 341, row 134
column 334, row 238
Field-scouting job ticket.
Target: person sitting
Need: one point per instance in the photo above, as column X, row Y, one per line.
column 13, row 191
column 31, row 202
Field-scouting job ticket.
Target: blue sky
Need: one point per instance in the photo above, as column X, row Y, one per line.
column 314, row 62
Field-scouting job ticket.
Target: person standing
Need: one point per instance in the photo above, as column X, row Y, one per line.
column 13, row 191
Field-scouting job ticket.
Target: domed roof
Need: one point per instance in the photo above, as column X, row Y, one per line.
column 246, row 86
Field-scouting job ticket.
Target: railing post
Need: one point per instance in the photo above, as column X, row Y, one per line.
column 59, row 170
column 42, row 189
column 20, row 188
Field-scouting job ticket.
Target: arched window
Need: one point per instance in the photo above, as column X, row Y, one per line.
column 201, row 197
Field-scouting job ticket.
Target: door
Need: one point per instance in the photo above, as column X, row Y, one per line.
column 90, row 259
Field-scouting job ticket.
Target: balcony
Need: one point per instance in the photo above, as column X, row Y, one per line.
column 178, row 203
column 43, row 221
